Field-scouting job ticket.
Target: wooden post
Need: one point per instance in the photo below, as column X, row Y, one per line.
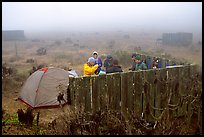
column 124, row 94
column 117, row 91
column 75, row 92
column 110, row 90
column 157, row 93
column 182, row 92
column 127, row 91
column 103, row 92
column 72, row 92
column 192, row 91
column 138, row 103
column 95, row 93
column 149, row 94
column 176, row 89
column 87, row 93
column 161, row 96
column 187, row 83
column 170, row 90
column 79, row 93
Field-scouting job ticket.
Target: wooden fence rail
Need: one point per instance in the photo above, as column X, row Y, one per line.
column 145, row 93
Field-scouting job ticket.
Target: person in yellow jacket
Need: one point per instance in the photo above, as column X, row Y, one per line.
column 89, row 67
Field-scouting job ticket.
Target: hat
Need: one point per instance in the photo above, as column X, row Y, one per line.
column 137, row 57
column 95, row 52
column 91, row 59
column 109, row 56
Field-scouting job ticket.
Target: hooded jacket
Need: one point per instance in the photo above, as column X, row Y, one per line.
column 89, row 70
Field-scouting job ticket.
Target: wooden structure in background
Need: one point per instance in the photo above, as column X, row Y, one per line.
column 177, row 39
column 13, row 35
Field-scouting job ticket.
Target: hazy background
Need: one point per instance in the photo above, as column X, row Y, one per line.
column 103, row 16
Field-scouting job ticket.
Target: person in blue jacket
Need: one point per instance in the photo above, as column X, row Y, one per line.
column 97, row 61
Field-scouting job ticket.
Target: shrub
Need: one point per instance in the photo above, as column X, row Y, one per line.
column 123, row 57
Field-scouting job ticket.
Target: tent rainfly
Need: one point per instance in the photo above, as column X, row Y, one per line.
column 43, row 87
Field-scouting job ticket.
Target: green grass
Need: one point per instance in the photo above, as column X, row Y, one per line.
column 11, row 120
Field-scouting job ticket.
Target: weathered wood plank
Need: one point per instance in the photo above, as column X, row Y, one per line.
column 181, row 92
column 160, row 95
column 157, row 93
column 87, row 93
column 174, row 76
column 128, row 91
column 82, row 94
column 138, row 94
column 170, row 87
column 176, row 89
column 72, row 92
column 193, row 92
column 78, row 92
column 117, row 91
column 103, row 92
column 196, row 93
column 95, row 93
column 186, row 83
column 124, row 94
column 110, row 90
column 148, row 94
column 145, row 95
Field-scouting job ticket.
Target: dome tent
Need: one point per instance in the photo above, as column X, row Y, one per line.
column 42, row 88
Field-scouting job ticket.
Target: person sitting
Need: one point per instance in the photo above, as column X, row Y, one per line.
column 108, row 62
column 114, row 68
column 133, row 62
column 89, row 67
column 155, row 63
column 97, row 61
column 140, row 65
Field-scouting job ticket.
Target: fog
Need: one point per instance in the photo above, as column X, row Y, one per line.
column 102, row 16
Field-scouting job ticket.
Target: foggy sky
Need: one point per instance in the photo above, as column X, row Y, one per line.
column 96, row 16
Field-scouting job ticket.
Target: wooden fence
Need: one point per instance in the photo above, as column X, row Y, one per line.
column 147, row 93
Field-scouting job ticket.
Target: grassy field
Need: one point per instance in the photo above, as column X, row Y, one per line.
column 72, row 55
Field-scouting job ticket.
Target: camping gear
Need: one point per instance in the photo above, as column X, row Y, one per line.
column 72, row 73
column 43, row 87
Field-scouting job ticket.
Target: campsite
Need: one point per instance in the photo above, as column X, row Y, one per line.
column 69, row 52
column 102, row 68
